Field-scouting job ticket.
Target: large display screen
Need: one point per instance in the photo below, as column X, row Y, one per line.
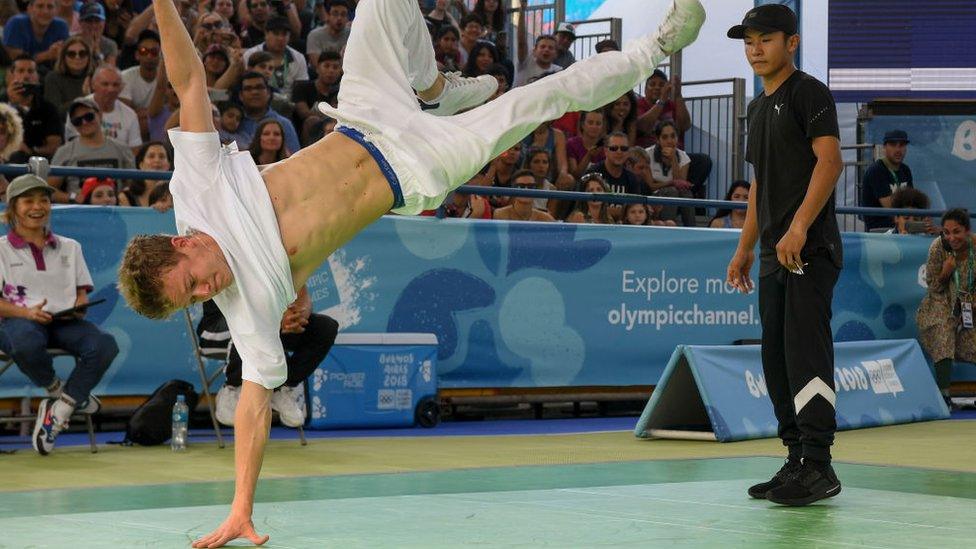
column 902, row 48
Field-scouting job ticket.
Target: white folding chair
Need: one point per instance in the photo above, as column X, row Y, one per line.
column 206, row 378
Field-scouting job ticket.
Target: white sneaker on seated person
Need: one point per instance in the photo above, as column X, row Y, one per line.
column 289, row 402
column 226, row 407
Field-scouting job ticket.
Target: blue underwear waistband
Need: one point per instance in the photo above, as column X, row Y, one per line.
column 385, row 167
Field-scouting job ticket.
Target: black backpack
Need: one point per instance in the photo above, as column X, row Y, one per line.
column 152, row 422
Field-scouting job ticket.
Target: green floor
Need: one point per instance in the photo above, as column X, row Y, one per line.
column 912, row 486
column 686, row 503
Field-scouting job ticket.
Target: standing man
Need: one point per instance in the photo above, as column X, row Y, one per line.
column 884, row 177
column 794, row 149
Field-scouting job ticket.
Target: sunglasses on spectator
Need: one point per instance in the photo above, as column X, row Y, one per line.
column 72, row 54
column 83, row 119
column 617, row 148
column 151, row 52
column 257, row 87
column 212, row 26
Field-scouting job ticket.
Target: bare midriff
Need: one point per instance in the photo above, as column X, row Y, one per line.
column 323, row 196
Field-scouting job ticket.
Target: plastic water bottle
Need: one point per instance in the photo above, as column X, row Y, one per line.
column 181, row 415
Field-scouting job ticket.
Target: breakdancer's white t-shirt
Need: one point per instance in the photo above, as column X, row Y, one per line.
column 217, row 190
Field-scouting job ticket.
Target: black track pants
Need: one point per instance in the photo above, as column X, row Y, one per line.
column 798, row 355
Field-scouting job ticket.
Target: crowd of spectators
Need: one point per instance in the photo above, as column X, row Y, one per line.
column 86, row 87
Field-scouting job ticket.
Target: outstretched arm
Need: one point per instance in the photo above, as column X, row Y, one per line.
column 252, row 421
column 184, row 69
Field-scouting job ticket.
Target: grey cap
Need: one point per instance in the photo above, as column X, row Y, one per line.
column 27, row 182
column 83, row 102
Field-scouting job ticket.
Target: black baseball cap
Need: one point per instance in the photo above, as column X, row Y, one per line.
column 896, row 136
column 767, row 18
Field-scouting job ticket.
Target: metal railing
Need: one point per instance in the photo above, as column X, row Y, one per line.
column 118, row 174
column 542, row 17
column 718, row 130
column 848, row 191
column 593, row 31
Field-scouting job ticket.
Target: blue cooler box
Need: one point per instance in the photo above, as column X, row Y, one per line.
column 375, row 380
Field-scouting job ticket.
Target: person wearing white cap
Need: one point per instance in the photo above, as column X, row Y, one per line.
column 565, row 36
column 249, row 237
column 44, row 274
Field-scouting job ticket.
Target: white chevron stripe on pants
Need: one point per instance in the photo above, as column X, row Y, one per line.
column 814, row 387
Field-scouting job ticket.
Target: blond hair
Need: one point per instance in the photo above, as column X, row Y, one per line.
column 10, row 124
column 147, row 258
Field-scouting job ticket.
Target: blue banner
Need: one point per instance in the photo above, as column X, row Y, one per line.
column 876, row 382
column 513, row 304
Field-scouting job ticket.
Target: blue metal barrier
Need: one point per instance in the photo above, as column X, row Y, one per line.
column 18, row 169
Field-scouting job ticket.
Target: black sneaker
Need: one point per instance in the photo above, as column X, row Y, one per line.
column 758, row 491
column 809, row 484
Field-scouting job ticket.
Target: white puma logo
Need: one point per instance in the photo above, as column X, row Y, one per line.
column 778, row 107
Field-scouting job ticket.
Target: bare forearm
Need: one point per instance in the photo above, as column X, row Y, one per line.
column 229, row 78
column 294, row 22
column 646, row 122
column 750, row 229
column 183, row 65
column 9, row 310
column 822, row 184
column 139, row 23
column 304, row 300
column 251, row 424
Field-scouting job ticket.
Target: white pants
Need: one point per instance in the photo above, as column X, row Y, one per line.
column 390, row 54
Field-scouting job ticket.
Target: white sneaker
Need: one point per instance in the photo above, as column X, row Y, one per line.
column 681, row 25
column 48, row 426
column 289, row 402
column 227, row 398
column 461, row 93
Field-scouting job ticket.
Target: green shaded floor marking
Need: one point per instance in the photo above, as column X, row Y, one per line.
column 695, row 502
column 713, row 513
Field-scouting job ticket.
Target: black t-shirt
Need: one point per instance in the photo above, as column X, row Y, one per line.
column 880, row 182
column 781, row 129
column 306, row 90
column 626, row 183
column 40, row 121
